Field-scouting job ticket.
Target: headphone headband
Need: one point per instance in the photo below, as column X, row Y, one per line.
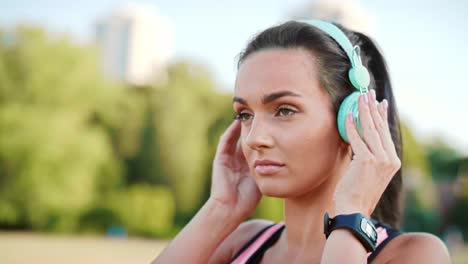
column 335, row 33
column 358, row 74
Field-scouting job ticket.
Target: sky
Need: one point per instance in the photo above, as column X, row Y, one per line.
column 425, row 44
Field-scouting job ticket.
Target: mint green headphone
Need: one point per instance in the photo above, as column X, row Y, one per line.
column 358, row 75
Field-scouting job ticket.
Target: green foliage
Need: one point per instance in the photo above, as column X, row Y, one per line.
column 63, row 129
column 145, row 166
column 270, row 208
column 99, row 220
column 70, row 139
column 416, row 173
column 144, row 209
column 185, row 107
column 431, row 164
column 216, row 129
column 443, row 160
column 56, row 163
column 413, row 151
column 459, row 216
column 419, row 218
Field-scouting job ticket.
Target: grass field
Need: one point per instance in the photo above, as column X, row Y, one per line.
column 24, row 248
column 16, row 248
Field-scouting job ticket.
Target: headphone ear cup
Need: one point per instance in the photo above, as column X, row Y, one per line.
column 349, row 105
column 359, row 76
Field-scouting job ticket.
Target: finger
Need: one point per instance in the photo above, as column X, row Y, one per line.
column 369, row 133
column 355, row 140
column 380, row 125
column 383, row 110
column 387, row 142
column 240, row 158
column 228, row 141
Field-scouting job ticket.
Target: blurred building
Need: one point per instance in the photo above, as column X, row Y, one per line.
column 135, row 42
column 349, row 13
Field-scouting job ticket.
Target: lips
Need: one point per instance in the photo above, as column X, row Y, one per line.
column 267, row 167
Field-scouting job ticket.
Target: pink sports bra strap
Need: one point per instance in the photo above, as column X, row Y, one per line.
column 248, row 252
column 381, row 236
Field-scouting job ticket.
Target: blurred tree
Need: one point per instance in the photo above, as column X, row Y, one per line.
column 270, row 208
column 413, row 151
column 443, row 160
column 146, row 165
column 420, row 196
column 417, row 174
column 185, row 107
column 63, row 130
column 216, row 129
column 144, row 209
column 458, row 216
column 429, row 183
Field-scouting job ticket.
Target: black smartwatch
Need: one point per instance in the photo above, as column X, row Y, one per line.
column 361, row 227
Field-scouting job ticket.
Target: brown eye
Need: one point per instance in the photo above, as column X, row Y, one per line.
column 285, row 111
column 243, row 116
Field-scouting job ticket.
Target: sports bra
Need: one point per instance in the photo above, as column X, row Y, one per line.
column 252, row 252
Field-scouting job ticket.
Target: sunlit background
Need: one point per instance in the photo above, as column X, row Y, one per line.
column 110, row 112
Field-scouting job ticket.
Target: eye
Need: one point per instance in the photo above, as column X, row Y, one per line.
column 243, row 116
column 285, row 111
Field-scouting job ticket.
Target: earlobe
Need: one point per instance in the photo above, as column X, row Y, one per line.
column 345, row 149
column 349, row 151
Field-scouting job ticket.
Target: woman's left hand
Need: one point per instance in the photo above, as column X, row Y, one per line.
column 374, row 163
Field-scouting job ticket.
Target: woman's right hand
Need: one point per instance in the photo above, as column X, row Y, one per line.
column 234, row 196
column 232, row 185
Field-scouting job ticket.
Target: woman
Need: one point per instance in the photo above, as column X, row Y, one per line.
column 292, row 85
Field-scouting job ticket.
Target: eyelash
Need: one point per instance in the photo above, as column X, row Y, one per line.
column 290, row 110
column 242, row 115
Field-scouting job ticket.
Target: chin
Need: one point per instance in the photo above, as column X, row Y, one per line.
column 272, row 187
column 283, row 187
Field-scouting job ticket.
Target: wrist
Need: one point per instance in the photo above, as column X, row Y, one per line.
column 222, row 211
column 351, row 208
column 356, row 223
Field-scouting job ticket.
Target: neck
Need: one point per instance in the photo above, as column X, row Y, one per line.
column 303, row 236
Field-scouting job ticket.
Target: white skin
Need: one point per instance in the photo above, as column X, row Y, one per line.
column 287, row 117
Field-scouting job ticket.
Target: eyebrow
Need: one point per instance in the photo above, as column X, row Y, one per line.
column 267, row 98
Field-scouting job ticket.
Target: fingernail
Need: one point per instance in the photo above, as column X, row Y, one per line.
column 364, row 97
column 373, row 94
column 350, row 117
column 385, row 104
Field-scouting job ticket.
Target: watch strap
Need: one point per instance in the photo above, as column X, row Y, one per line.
column 361, row 227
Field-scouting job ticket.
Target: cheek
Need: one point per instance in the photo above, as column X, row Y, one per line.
column 312, row 148
column 245, row 149
column 308, row 137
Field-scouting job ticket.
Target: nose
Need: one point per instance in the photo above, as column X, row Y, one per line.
column 258, row 135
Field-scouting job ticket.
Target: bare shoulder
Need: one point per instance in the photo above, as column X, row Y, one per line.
column 241, row 235
column 246, row 231
column 415, row 248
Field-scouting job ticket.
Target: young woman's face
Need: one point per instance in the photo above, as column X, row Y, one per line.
column 289, row 135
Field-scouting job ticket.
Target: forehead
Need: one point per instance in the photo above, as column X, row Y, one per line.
column 271, row 70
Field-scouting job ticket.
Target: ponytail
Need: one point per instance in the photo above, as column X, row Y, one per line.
column 388, row 209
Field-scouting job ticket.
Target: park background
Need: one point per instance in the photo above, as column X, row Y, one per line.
column 110, row 113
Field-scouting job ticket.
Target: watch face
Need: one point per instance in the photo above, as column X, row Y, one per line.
column 368, row 229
